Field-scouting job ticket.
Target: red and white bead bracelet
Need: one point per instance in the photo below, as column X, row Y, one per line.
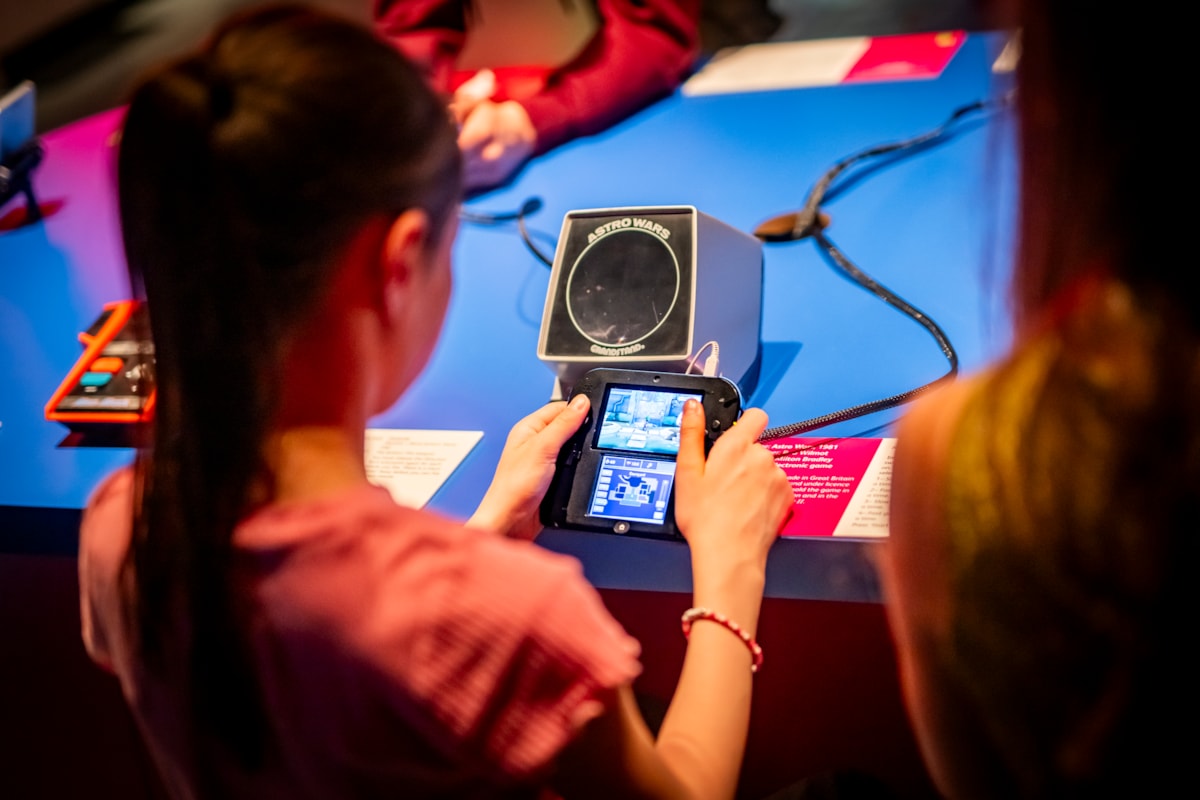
column 696, row 614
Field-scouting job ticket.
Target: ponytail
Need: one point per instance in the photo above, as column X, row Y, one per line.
column 243, row 170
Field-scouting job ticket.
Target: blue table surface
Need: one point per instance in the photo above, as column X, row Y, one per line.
column 934, row 228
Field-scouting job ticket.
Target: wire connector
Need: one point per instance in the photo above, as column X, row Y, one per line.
column 710, row 364
column 792, row 226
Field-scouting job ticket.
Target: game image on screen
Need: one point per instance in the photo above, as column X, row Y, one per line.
column 646, row 420
column 633, row 489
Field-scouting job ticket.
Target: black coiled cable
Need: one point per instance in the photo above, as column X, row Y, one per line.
column 810, row 221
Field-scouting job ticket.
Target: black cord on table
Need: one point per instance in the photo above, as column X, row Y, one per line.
column 810, row 221
column 530, row 206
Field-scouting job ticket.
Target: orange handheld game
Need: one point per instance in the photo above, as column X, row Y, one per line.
column 113, row 381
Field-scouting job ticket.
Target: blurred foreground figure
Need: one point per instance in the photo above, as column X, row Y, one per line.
column 524, row 76
column 1045, row 512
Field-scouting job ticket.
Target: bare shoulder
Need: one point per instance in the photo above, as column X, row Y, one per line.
column 925, row 437
column 915, row 557
column 926, row 432
column 106, row 523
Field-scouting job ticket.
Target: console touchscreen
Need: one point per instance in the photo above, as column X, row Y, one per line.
column 617, row 473
column 633, row 489
column 637, row 420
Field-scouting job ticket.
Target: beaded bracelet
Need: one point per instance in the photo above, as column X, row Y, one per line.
column 694, row 614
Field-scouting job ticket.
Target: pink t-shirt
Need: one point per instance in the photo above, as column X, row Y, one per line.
column 398, row 654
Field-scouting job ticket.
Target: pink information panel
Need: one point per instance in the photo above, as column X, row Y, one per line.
column 841, row 485
column 906, row 57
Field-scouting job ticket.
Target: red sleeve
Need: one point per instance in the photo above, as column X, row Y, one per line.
column 512, row 654
column 572, row 650
column 429, row 32
column 641, row 51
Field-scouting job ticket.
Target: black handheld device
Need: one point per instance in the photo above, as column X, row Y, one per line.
column 617, row 473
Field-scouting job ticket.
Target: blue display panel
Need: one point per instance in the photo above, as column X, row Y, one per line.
column 632, row 489
column 640, row 419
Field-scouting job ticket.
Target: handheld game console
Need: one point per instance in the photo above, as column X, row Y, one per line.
column 617, row 473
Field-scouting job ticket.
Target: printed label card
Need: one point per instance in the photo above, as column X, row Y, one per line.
column 770, row 66
column 842, row 486
column 413, row 464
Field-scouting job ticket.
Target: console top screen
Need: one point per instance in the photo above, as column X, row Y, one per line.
column 641, row 419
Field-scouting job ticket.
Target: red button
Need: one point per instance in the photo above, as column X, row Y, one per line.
column 107, row 364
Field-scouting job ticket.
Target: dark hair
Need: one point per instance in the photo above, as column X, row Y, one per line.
column 244, row 168
column 1098, row 151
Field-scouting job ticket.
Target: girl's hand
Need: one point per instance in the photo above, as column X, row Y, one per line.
column 495, row 140
column 729, row 507
column 526, row 467
column 479, row 87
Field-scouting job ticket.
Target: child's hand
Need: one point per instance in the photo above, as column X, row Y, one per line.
column 479, row 87
column 731, row 506
column 526, row 467
column 495, row 140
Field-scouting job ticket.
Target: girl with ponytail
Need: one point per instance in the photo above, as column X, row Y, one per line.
column 288, row 198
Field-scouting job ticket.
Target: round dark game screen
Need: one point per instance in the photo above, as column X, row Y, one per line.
column 622, row 287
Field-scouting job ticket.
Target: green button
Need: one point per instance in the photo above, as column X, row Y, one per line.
column 95, row 378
